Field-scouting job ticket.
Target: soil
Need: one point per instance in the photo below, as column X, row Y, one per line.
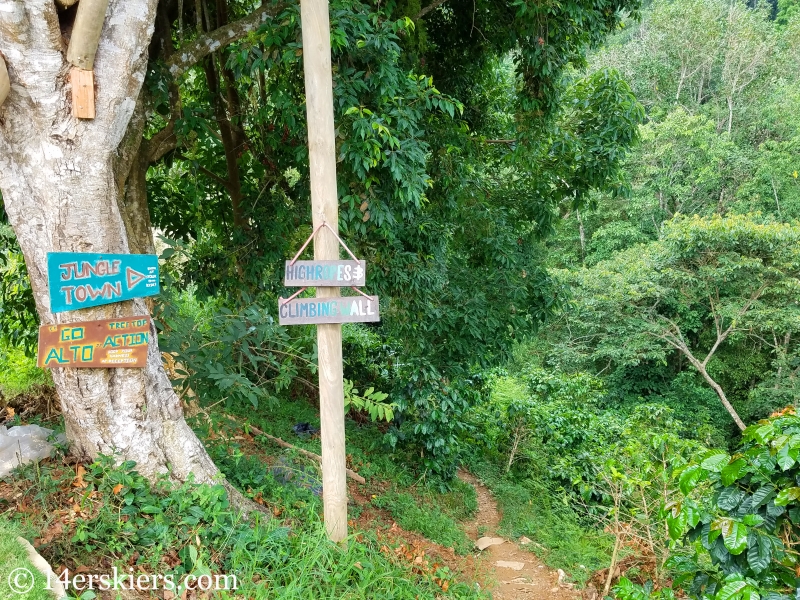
column 534, row 581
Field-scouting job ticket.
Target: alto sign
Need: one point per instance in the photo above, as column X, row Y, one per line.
column 80, row 280
column 105, row 344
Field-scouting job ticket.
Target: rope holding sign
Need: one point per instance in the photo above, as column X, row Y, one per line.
column 314, row 233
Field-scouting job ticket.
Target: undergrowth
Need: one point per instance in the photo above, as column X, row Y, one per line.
column 111, row 516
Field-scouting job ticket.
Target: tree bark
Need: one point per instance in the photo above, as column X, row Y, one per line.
column 71, row 185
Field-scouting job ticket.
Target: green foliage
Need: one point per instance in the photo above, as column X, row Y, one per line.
column 740, row 515
column 233, row 357
column 192, row 529
column 371, row 402
column 627, row 590
column 18, row 319
column 701, row 294
column 433, row 418
column 19, row 373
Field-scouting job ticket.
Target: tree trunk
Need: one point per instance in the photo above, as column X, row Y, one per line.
column 77, row 186
column 722, row 397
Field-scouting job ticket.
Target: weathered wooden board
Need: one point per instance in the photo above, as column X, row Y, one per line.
column 82, row 93
column 104, row 344
column 79, row 280
column 313, row 311
column 325, row 273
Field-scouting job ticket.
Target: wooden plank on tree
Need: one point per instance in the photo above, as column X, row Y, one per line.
column 82, row 93
column 86, row 33
column 80, row 280
column 105, row 344
column 313, row 311
column 5, row 84
column 334, row 273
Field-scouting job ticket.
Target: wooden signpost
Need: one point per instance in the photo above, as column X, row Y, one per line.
column 316, row 31
column 99, row 344
column 80, row 280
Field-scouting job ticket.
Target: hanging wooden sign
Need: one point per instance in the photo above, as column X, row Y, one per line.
column 106, row 344
column 79, row 280
column 313, row 311
column 325, row 273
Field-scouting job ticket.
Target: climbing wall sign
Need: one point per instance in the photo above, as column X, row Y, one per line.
column 81, row 280
column 343, row 309
column 107, row 343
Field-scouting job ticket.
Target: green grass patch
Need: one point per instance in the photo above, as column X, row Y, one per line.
column 19, row 373
column 15, row 568
column 426, row 518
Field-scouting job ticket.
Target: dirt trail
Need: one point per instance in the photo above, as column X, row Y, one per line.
column 533, row 581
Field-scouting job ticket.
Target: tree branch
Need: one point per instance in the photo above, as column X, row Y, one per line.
column 721, row 337
column 206, row 43
column 429, row 8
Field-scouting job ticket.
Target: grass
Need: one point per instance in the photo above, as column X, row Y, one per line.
column 425, row 518
column 19, row 373
column 121, row 520
column 415, row 505
column 14, row 557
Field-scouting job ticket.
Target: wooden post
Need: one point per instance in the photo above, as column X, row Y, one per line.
column 325, row 207
column 5, row 85
column 86, row 33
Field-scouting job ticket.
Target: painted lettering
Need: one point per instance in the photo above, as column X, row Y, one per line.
column 55, row 354
column 72, row 333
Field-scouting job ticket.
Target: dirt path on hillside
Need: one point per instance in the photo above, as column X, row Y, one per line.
column 509, row 571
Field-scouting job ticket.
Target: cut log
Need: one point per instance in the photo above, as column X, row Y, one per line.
column 82, row 93
column 5, row 85
column 86, row 33
column 350, row 473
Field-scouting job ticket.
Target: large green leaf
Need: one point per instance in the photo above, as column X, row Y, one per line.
column 787, row 456
column 788, row 495
column 759, row 552
column 730, row 498
column 716, row 462
column 731, row 472
column 734, row 535
column 731, row 590
column 677, row 525
column 689, row 478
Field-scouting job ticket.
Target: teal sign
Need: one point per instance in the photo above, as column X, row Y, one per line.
column 80, row 280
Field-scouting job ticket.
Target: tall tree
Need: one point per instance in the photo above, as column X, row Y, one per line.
column 75, row 185
column 78, row 185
